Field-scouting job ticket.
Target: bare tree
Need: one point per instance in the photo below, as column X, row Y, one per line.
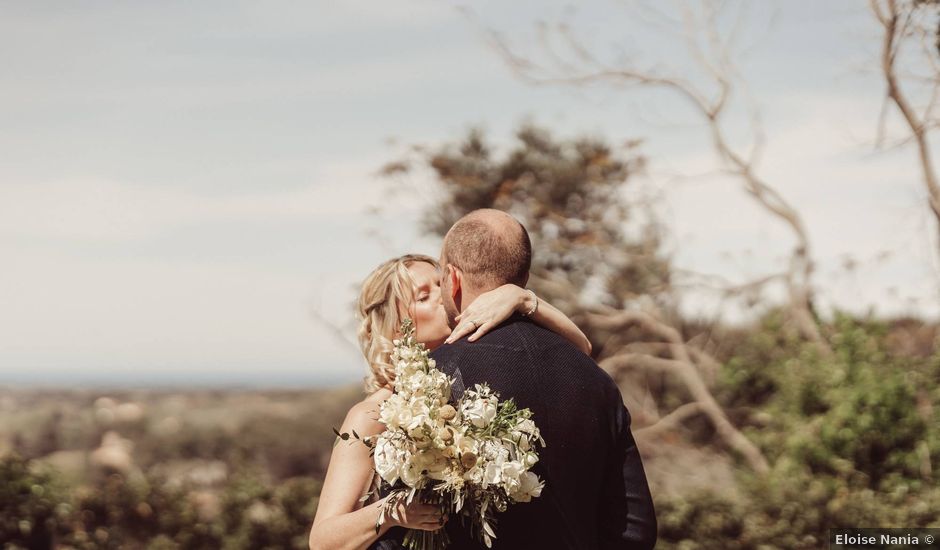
column 909, row 23
column 566, row 61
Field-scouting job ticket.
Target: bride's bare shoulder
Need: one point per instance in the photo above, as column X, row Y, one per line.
column 378, row 396
column 364, row 415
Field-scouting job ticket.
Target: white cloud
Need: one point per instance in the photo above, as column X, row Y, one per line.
column 109, row 211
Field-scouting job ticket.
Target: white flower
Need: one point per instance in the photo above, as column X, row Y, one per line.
column 453, row 479
column 465, row 443
column 494, row 449
column 438, row 466
column 474, row 475
column 524, row 433
column 530, row 459
column 509, row 476
column 528, row 428
column 413, row 382
column 512, row 470
column 411, row 471
column 388, row 460
column 398, row 412
column 492, row 474
column 439, row 384
column 389, row 411
column 480, row 412
column 529, row 487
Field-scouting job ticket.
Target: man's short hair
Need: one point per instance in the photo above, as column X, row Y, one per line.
column 489, row 254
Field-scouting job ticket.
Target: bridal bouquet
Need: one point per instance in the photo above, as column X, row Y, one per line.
column 471, row 458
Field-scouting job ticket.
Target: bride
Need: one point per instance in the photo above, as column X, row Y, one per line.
column 405, row 287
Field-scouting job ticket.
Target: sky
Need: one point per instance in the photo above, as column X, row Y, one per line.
column 188, row 191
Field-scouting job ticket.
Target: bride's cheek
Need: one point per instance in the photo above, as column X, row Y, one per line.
column 425, row 312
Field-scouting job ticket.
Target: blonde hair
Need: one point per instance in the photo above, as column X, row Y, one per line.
column 386, row 292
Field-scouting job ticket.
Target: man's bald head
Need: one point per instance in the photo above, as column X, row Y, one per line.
column 490, row 247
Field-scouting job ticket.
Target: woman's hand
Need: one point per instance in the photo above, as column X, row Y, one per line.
column 417, row 515
column 489, row 310
column 493, row 307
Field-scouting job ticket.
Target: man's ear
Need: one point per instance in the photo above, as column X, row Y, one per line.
column 455, row 279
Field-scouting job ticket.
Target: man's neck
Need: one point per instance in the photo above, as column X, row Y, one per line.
column 468, row 296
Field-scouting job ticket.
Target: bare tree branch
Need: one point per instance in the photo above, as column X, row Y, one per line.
column 672, row 420
column 896, row 21
column 717, row 63
column 682, row 366
column 703, row 398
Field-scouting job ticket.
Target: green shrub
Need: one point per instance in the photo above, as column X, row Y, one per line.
column 852, row 439
column 32, row 507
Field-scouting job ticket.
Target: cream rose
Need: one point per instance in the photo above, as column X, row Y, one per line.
column 480, row 412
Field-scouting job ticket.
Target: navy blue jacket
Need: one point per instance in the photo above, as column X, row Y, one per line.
column 596, row 495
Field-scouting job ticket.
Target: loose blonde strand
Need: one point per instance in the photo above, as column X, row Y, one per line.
column 386, row 292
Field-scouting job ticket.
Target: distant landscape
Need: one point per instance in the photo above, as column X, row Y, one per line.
column 121, row 379
column 204, row 468
column 161, row 468
column 853, row 438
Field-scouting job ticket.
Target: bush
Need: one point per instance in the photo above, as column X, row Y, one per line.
column 852, row 439
column 32, row 507
column 140, row 512
column 256, row 515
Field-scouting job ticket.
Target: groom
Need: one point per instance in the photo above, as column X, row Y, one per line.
column 596, row 495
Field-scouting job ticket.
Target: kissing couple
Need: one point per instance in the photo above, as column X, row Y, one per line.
column 471, row 309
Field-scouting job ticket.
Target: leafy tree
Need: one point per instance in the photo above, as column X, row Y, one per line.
column 573, row 197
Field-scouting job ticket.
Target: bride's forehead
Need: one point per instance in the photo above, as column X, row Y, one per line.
column 424, row 273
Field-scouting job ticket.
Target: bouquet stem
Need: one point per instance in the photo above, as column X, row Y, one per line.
column 426, row 540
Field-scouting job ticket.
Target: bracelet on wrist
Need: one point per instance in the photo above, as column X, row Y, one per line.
column 535, row 307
